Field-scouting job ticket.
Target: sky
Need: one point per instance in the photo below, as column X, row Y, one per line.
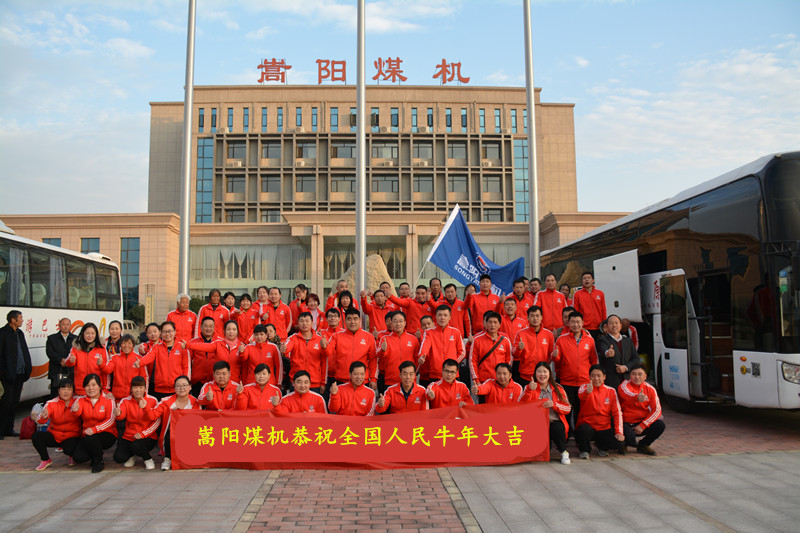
column 667, row 94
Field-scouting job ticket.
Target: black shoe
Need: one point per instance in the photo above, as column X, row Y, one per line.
column 97, row 467
column 12, row 434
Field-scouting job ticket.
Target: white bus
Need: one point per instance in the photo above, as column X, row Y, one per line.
column 47, row 283
column 711, row 278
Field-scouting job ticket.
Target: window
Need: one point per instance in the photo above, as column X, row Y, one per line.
column 246, row 119
column 235, row 184
column 234, row 215
column 129, row 271
column 423, row 184
column 343, row 150
column 271, row 150
column 395, row 119
column 306, row 184
column 482, row 120
column 53, row 241
column 298, row 117
column 457, row 183
column 213, row 120
column 80, row 284
column 353, row 119
column 423, row 150
column 343, row 184
column 270, row 183
column 497, row 121
column 205, row 180
column 414, row 120
column 456, row 150
column 448, row 120
column 237, row 150
column 490, row 150
column 385, row 184
column 263, row 119
column 334, row 119
column 430, row 117
column 313, row 119
column 491, row 184
column 384, row 150
column 525, row 121
column 375, row 119
column 513, row 121
column 230, row 119
column 306, row 150
column 492, row 215
column 463, row 120
column 271, row 215
column 201, row 120
column 91, row 244
column 521, row 180
column 280, row 120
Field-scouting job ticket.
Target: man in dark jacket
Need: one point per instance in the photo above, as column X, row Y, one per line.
column 615, row 352
column 15, row 369
column 57, row 348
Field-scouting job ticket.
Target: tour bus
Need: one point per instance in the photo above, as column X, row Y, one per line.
column 711, row 279
column 47, row 283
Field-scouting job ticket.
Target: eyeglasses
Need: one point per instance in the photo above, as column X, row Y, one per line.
column 449, row 371
column 182, row 386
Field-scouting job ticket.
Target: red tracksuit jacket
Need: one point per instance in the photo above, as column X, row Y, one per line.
column 592, row 305
column 600, row 408
column 220, row 315
column 552, row 303
column 294, row 402
column 255, row 354
column 223, row 400
column 523, row 304
column 478, row 304
column 636, row 412
column 170, row 363
column 439, row 344
column 510, row 328
column 377, row 315
column 121, row 366
column 255, row 398
column 396, row 402
column 459, row 316
column 247, row 321
column 98, row 417
column 414, row 311
column 308, row 355
column 280, row 316
column 538, row 347
column 561, row 408
column 222, row 352
column 574, row 358
column 481, row 345
column 353, row 401
column 496, row 394
column 449, row 394
column 137, row 420
column 185, row 324
column 163, row 410
column 399, row 348
column 85, row 364
column 64, row 424
column 348, row 347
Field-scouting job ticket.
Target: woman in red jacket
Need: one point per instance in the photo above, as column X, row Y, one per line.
column 180, row 400
column 64, row 430
column 85, row 351
column 226, row 349
column 99, row 431
column 544, row 387
column 140, row 431
column 258, row 395
column 122, row 367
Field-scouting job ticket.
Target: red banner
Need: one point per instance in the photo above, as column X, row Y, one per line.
column 456, row 436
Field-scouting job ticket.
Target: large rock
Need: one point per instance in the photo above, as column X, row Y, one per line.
column 375, row 272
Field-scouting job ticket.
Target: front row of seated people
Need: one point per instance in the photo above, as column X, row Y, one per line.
column 84, row 426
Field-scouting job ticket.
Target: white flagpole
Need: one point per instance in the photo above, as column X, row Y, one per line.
column 361, row 162
column 186, row 177
column 533, row 178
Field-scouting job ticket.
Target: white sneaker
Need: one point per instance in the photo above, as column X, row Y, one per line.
column 149, row 464
column 130, row 462
column 167, row 464
column 584, row 455
column 565, row 458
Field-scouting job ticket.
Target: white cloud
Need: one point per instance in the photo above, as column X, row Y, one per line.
column 222, row 16
column 112, row 22
column 127, row 48
column 581, row 62
column 257, row 35
column 498, row 77
column 167, row 26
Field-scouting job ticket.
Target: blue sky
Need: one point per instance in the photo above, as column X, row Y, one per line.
column 667, row 94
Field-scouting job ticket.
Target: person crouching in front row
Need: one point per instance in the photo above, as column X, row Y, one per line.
column 600, row 417
column 140, row 431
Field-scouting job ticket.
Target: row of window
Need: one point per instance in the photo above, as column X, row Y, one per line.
column 375, row 121
column 346, row 149
column 235, row 216
column 307, row 183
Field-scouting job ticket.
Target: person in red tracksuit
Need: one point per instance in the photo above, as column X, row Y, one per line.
column 259, row 352
column 122, row 367
column 299, row 304
column 435, row 292
column 247, row 317
column 448, row 391
column 552, row 303
column 215, row 310
column 353, row 398
column 330, row 325
column 377, row 310
column 333, row 297
column 394, row 348
column 565, row 289
column 220, row 394
column 64, row 429
column 641, row 411
column 573, row 354
column 405, row 396
column 481, row 302
column 488, row 349
column 591, row 303
column 352, row 344
column 414, row 308
column 83, row 356
column 171, row 360
column 279, row 314
column 302, row 400
column 202, row 362
column 501, row 389
column 185, row 319
column 600, row 416
column 226, row 349
column 140, row 431
column 305, row 352
column 439, row 343
column 510, row 323
column 531, row 345
column 459, row 316
column 258, row 395
column 180, row 400
column 523, row 298
column 544, row 387
column 96, row 411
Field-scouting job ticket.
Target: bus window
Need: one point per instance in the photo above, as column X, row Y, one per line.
column 13, row 276
column 48, row 281
column 80, row 284
column 673, row 312
column 108, row 297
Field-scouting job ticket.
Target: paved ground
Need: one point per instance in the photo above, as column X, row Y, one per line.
column 722, row 469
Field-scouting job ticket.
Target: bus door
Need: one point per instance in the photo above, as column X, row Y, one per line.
column 716, row 332
column 680, row 363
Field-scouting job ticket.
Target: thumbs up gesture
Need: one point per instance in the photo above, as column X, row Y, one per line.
column 44, row 414
column 418, row 333
column 381, row 400
column 384, row 345
column 521, row 346
column 533, row 385
column 610, row 351
column 275, row 400
column 363, row 293
column 589, row 387
column 431, row 394
column 282, row 348
column 334, row 388
column 323, row 343
column 555, row 353
column 75, row 407
column 98, row 359
column 72, row 357
column 242, row 348
column 642, row 397
column 143, row 403
column 117, row 411
column 239, row 388
column 183, row 344
column 474, row 388
column 137, row 363
column 210, row 395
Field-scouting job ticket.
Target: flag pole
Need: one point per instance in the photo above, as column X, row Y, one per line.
column 361, row 152
column 186, row 167
column 533, row 178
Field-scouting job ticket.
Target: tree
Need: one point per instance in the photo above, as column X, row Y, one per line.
column 196, row 303
column 136, row 313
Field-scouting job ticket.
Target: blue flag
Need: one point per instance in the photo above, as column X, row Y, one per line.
column 457, row 253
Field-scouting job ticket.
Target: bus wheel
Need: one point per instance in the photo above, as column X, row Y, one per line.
column 680, row 405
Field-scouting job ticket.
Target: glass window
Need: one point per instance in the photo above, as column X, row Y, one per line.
column 385, row 150
column 414, row 120
column 80, row 284
column 375, row 119
column 456, row 150
column 280, row 120
column 48, row 282
column 237, row 150
column 520, row 180
column 313, row 119
column 201, row 120
column 423, row 184
column 271, row 184
column 205, row 180
column 271, row 215
column 230, row 119
column 674, row 328
column 457, row 183
column 385, row 184
column 235, row 184
column 306, row 150
column 213, row 120
column 430, row 117
column 497, row 121
column 353, row 119
column 524, row 121
column 54, row 241
column 395, row 119
column 234, row 215
column 246, row 119
column 448, row 119
column 423, row 150
column 263, row 119
column 343, row 184
column 343, row 150
column 490, row 150
column 306, row 184
column 334, row 119
column 90, row 244
column 513, row 121
column 482, row 120
column 492, row 215
column 108, row 297
column 298, row 117
column 463, row 120
column 129, row 270
column 271, row 150
column 491, row 184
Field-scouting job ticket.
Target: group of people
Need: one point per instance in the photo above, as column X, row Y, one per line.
column 415, row 352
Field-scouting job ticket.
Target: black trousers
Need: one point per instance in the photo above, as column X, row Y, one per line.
column 605, row 440
column 44, row 439
column 9, row 402
column 90, row 447
column 167, row 447
column 649, row 435
column 138, row 447
column 558, row 435
column 572, row 396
